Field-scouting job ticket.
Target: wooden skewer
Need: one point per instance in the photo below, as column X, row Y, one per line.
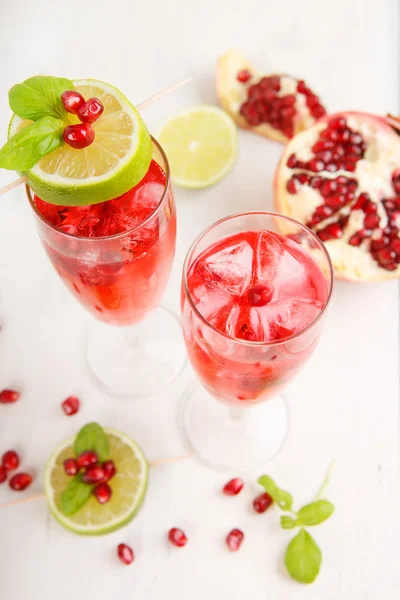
column 140, row 106
column 159, row 462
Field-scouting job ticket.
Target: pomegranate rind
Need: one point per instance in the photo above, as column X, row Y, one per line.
column 129, row 487
column 350, row 263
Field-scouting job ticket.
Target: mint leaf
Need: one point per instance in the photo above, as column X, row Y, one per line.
column 288, row 522
column 92, row 437
column 24, row 149
column 315, row 512
column 281, row 497
column 303, row 558
column 75, row 496
column 39, row 96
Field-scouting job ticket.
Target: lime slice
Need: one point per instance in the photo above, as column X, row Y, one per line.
column 114, row 163
column 200, row 144
column 128, row 487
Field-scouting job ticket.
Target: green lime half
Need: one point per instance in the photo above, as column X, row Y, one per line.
column 115, row 162
column 200, row 144
column 128, row 487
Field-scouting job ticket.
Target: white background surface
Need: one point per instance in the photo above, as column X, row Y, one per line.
column 344, row 405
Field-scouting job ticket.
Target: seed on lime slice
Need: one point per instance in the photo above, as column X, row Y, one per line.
column 200, row 144
column 114, row 163
column 128, row 487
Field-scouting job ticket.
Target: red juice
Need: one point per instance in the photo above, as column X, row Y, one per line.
column 118, row 279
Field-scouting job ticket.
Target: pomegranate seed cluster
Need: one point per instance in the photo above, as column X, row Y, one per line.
column 82, row 134
column 93, row 473
column 10, row 462
column 340, row 148
column 265, row 105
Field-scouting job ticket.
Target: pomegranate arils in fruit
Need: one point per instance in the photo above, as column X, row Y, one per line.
column 177, row 537
column 93, row 474
column 233, row 487
column 125, row 554
column 20, row 482
column 10, row 460
column 102, row 492
column 9, row 396
column 262, row 502
column 330, row 232
column 70, row 466
column 234, row 539
column 243, row 76
column 3, row 474
column 72, row 101
column 109, row 470
column 86, row 458
column 91, row 110
column 371, row 220
column 78, row 136
column 71, row 405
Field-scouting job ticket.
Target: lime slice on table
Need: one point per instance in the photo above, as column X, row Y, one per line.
column 114, row 163
column 200, row 144
column 128, row 487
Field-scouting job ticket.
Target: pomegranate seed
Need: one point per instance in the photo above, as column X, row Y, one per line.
column 365, row 233
column 9, row 396
column 315, row 165
column 260, row 294
column 316, row 182
column 323, row 211
column 371, row 220
column 301, row 87
column 125, row 554
column 331, row 232
column 109, row 470
column 70, row 466
column 234, row 486
column 20, row 482
column 93, row 474
column 102, row 493
column 395, row 245
column 72, row 101
column 336, row 202
column 10, row 460
column 71, row 406
column 380, row 243
column 291, row 186
column 91, row 111
column 385, row 256
column 243, row 76
column 78, row 136
column 292, row 161
column 355, row 240
column 3, row 474
column 356, row 138
column 86, row 458
column 262, row 502
column 177, row 537
column 234, row 539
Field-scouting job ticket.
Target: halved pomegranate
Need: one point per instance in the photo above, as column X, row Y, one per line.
column 341, row 177
column 276, row 106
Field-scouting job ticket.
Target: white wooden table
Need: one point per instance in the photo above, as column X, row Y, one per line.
column 344, row 405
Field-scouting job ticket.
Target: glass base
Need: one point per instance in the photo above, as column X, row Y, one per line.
column 139, row 360
column 226, row 438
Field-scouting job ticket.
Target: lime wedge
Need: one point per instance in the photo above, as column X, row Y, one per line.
column 128, row 487
column 114, row 163
column 200, row 144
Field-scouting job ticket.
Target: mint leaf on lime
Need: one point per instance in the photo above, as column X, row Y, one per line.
column 92, row 437
column 283, row 499
column 39, row 96
column 24, row 149
column 75, row 496
column 303, row 558
column 315, row 513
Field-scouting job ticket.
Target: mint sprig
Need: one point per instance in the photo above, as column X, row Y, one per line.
column 303, row 557
column 77, row 493
column 39, row 96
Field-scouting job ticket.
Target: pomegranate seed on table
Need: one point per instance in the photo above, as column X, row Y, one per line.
column 87, row 458
column 3, row 474
column 125, row 554
column 234, row 539
column 70, row 466
column 9, row 396
column 72, row 101
column 71, row 405
column 109, row 470
column 10, row 460
column 262, row 502
column 20, row 482
column 91, row 110
column 93, row 474
column 233, row 487
column 78, row 136
column 102, row 493
column 177, row 537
